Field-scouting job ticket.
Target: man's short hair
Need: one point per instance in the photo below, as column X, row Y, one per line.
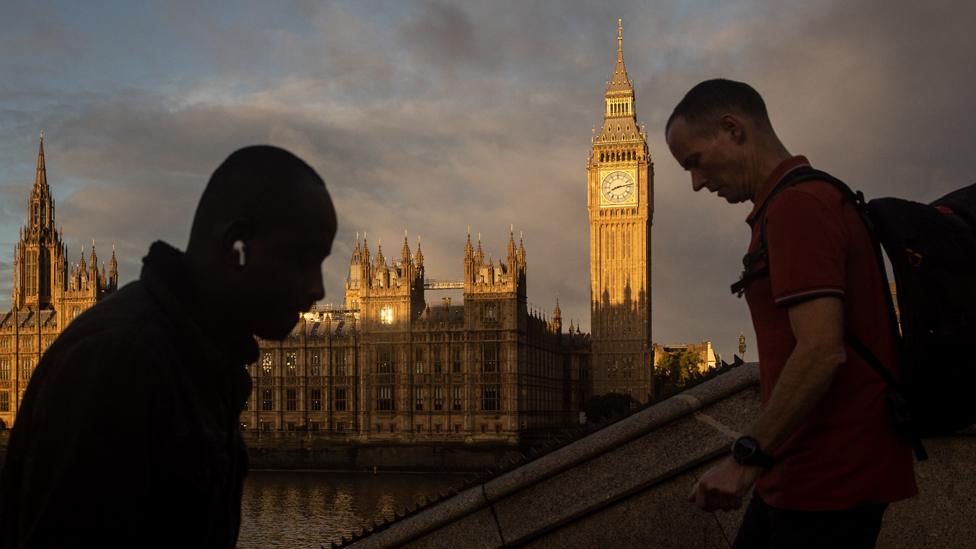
column 252, row 182
column 711, row 99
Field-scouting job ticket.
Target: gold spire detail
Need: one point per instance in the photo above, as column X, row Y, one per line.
column 620, row 81
column 40, row 179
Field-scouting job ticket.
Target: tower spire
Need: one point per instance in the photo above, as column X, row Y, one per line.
column 419, row 258
column 405, row 251
column 620, row 81
column 620, row 40
column 40, row 180
column 113, row 269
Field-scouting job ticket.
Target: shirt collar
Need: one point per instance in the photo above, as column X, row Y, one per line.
column 777, row 175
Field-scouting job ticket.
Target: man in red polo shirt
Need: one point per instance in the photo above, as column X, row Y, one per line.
column 823, row 454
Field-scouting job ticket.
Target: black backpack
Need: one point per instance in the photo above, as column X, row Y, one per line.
column 932, row 250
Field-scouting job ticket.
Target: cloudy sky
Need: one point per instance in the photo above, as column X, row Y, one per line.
column 431, row 116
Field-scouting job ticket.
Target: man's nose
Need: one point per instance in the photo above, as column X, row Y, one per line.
column 697, row 181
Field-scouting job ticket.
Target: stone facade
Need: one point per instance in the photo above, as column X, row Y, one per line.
column 620, row 198
column 388, row 366
column 47, row 293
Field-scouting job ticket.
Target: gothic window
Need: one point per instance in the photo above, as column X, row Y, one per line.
column 458, row 394
column 456, row 360
column 291, row 363
column 26, row 369
column 489, row 397
column 384, row 397
column 419, row 360
column 267, row 363
column 315, row 363
column 438, row 366
column 419, row 398
column 340, row 399
column 266, row 400
column 291, row 400
column 4, row 401
column 340, row 363
column 315, row 400
column 438, row 398
column 489, row 358
column 384, row 360
column 4, row 369
column 489, row 312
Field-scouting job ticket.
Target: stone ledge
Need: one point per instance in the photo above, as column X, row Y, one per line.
column 590, row 447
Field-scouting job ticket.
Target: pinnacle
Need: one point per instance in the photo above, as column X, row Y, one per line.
column 620, row 81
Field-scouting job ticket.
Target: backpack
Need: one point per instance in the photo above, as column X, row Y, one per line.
column 932, row 250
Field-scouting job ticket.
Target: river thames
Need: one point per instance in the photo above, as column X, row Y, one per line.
column 310, row 509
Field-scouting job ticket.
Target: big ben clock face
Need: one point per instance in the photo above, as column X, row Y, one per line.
column 617, row 188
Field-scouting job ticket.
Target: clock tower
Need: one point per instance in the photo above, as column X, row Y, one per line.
column 620, row 200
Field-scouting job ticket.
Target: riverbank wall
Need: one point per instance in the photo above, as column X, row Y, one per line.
column 327, row 454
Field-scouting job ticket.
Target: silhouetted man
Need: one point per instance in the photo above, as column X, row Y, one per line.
column 129, row 430
column 823, row 449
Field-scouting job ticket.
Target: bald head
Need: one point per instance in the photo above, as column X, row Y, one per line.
column 262, row 228
column 257, row 183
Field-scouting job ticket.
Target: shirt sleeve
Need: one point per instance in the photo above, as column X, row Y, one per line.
column 807, row 243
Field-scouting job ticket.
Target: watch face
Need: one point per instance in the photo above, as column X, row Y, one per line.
column 743, row 449
column 617, row 187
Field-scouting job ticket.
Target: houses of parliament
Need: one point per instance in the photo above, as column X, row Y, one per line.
column 391, row 364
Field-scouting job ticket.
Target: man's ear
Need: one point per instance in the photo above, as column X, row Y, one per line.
column 734, row 127
column 234, row 242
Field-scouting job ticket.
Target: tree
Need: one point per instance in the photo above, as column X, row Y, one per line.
column 675, row 370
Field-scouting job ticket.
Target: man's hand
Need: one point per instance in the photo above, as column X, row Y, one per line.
column 723, row 486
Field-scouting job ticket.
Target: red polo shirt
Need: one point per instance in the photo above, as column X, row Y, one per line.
column 846, row 452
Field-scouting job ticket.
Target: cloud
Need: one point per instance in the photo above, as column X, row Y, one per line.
column 433, row 116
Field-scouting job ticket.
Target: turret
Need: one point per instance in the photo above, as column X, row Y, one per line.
column 479, row 256
column 356, row 252
column 511, row 247
column 93, row 261
column 405, row 255
column 557, row 318
column 113, row 271
column 419, row 257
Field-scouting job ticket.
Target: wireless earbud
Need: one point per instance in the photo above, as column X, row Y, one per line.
column 239, row 248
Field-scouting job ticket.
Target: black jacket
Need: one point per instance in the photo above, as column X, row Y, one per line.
column 128, row 434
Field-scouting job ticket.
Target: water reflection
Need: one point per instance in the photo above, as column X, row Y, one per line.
column 305, row 509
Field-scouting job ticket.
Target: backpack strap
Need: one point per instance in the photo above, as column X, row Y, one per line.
column 897, row 404
column 751, row 270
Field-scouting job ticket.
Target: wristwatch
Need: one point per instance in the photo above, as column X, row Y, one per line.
column 745, row 451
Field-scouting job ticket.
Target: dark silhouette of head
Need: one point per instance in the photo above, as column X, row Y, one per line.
column 262, row 228
column 705, row 104
column 721, row 134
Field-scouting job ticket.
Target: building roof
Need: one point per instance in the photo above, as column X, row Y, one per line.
column 28, row 319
